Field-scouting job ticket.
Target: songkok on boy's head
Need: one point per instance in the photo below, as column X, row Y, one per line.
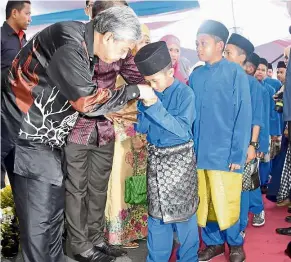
column 254, row 59
column 152, row 58
column 211, row 27
column 281, row 64
column 270, row 66
column 242, row 43
column 264, row 61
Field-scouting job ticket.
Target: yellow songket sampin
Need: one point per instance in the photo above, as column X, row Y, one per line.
column 220, row 195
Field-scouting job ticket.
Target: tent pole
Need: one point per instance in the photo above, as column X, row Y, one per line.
column 233, row 16
column 277, row 59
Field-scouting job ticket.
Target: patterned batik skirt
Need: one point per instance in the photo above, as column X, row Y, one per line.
column 285, row 186
column 172, row 183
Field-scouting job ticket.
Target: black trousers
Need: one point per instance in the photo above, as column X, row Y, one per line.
column 3, row 173
column 40, row 210
column 88, row 172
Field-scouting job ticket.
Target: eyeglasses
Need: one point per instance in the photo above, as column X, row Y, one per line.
column 89, row 6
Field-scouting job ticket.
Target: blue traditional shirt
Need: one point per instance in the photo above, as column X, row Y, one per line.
column 257, row 102
column 275, row 121
column 264, row 137
column 169, row 121
column 275, row 83
column 224, row 115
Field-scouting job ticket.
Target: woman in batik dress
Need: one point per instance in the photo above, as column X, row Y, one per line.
column 126, row 223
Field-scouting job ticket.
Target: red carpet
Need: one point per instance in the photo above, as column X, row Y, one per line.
column 263, row 244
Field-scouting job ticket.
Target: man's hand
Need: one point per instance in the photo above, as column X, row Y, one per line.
column 146, row 92
column 233, row 167
column 150, row 102
column 251, row 155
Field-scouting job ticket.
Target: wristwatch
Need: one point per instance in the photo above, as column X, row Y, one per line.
column 255, row 145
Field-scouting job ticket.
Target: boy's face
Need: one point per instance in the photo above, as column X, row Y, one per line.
column 261, row 72
column 281, row 74
column 250, row 68
column 207, row 48
column 231, row 54
column 270, row 73
column 160, row 81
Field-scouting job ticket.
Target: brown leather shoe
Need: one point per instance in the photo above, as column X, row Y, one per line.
column 210, row 252
column 237, row 254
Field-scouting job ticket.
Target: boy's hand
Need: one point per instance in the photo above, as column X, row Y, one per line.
column 150, row 102
column 251, row 155
column 233, row 167
column 260, row 155
column 146, row 92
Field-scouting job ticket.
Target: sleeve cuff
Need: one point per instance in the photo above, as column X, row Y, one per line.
column 132, row 92
column 141, row 107
column 258, row 123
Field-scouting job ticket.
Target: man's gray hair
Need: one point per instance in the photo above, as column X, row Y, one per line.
column 119, row 20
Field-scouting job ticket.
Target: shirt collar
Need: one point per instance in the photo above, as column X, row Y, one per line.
column 10, row 31
column 169, row 89
column 215, row 65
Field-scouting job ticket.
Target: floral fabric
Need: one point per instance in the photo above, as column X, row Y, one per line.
column 126, row 223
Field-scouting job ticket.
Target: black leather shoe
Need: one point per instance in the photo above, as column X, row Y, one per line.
column 284, row 231
column 288, row 219
column 288, row 250
column 111, row 250
column 264, row 190
column 95, row 256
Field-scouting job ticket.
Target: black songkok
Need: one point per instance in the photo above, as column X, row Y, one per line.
column 254, row 59
column 281, row 64
column 152, row 58
column 264, row 61
column 211, row 27
column 242, row 43
column 270, row 66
